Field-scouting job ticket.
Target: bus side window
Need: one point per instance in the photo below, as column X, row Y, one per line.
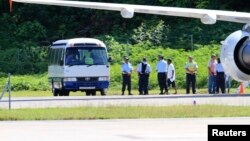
column 52, row 59
column 50, row 56
column 61, row 62
column 56, row 56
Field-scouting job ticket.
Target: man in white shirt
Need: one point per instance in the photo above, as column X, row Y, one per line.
column 143, row 71
column 161, row 68
column 171, row 75
column 127, row 69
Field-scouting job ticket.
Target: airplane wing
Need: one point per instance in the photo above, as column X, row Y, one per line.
column 128, row 10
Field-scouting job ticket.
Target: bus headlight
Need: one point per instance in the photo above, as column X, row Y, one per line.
column 67, row 79
column 103, row 78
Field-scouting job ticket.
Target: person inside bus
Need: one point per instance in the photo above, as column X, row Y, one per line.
column 97, row 59
column 71, row 57
column 88, row 59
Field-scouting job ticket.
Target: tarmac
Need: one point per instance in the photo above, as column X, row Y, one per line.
column 169, row 129
column 134, row 100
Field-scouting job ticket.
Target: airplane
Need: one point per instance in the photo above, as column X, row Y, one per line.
column 235, row 49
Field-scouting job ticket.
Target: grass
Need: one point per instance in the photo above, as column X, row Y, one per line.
column 124, row 112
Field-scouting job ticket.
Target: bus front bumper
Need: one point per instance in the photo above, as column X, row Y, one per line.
column 86, row 85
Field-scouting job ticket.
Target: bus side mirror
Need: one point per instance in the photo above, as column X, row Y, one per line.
column 109, row 59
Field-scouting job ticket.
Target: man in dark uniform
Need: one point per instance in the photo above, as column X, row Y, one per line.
column 220, row 77
column 127, row 69
column 143, row 70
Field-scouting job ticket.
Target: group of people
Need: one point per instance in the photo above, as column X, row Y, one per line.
column 165, row 70
column 166, row 75
column 217, row 80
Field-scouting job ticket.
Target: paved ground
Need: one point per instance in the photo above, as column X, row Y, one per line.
column 173, row 129
column 135, row 100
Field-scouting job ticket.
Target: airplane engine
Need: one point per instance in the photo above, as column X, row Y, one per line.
column 235, row 55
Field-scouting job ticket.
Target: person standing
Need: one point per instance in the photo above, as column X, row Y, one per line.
column 220, row 77
column 161, row 68
column 171, row 75
column 228, row 82
column 212, row 74
column 191, row 70
column 143, row 71
column 127, row 69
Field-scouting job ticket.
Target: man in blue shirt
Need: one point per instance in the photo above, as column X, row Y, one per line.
column 161, row 69
column 127, row 69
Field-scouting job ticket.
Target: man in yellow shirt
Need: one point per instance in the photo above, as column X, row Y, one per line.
column 191, row 70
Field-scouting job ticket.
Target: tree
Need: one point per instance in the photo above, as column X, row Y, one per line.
column 30, row 31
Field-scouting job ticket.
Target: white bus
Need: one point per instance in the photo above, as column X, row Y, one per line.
column 79, row 64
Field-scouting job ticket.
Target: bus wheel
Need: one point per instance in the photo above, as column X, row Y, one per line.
column 88, row 93
column 104, row 92
column 93, row 93
column 61, row 93
column 55, row 92
column 65, row 93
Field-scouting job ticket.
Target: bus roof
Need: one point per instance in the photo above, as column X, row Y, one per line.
column 77, row 42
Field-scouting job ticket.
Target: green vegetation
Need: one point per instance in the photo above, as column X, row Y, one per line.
column 38, row 82
column 124, row 112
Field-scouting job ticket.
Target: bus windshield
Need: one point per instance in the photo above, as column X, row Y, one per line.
column 86, row 56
